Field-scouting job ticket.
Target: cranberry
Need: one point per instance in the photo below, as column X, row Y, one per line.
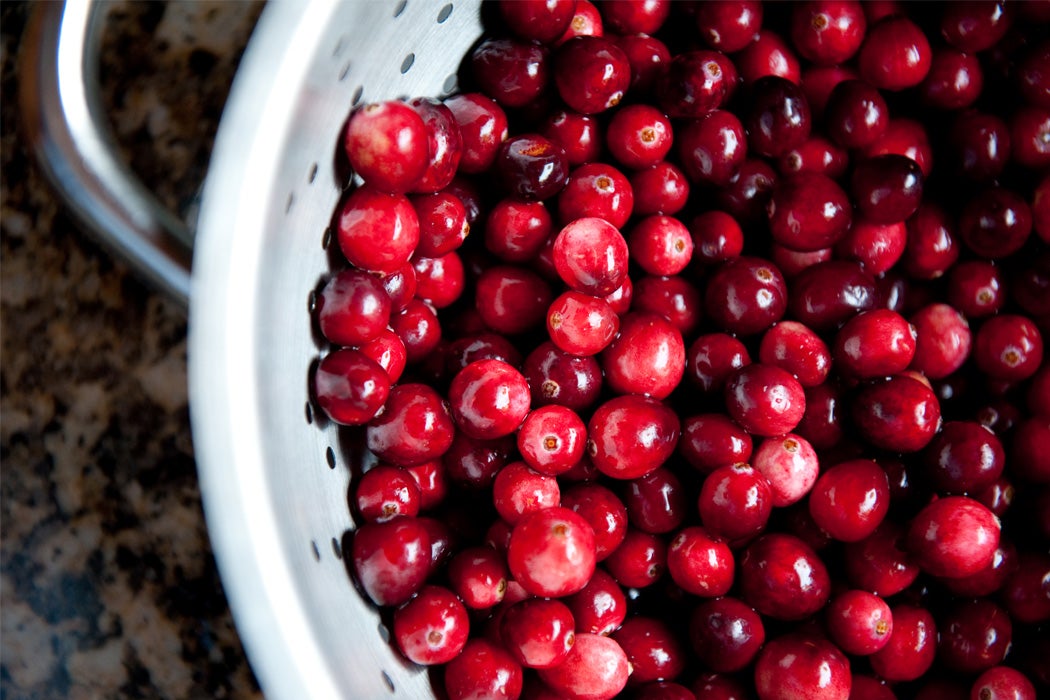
column 821, row 423
column 748, row 192
column 905, row 137
column 790, row 465
column 586, row 21
column 415, row 427
column 596, row 668
column 630, row 436
column 596, row 190
column 717, row 237
column 874, row 343
column 783, row 578
column 746, row 295
column 591, row 73
column 659, row 189
column 976, row 288
column 581, row 324
column 388, row 145
column 877, row 246
column 953, row 536
column 712, row 147
column 815, row 155
column 912, row 645
column 693, row 84
column 350, row 387
column 793, row 262
column 483, row 127
column 474, row 463
column 764, row 399
column 511, row 299
column 639, row 561
column 850, row 500
column 579, row 135
column 802, row 666
column 955, row 79
column 729, row 26
column 552, row 439
column 726, row 634
column 377, row 231
column 828, row 32
column 591, row 256
column 480, row 346
column 931, row 247
column 1030, row 136
column 942, row 340
column 539, row 20
column 655, row 502
column 964, row 457
column 483, row 669
column 719, row 686
column 1002, row 683
column 859, row 622
column 531, row 167
column 808, row 211
column 556, row 377
column 518, row 490
column 887, row 188
column 675, row 298
column 870, row 688
column 442, row 223
column 1025, row 591
column 445, row 145
column 652, row 648
column 604, row 510
column 974, row 636
column 400, row 286
column 975, row 26
column 699, row 563
column 512, row 71
column 769, row 54
column 792, row 346
column 660, row 245
column 478, row 575
column 489, row 399
column 895, row 54
column 647, row 357
column 538, row 633
column 432, row 628
column 551, row 552
column 712, row 358
column 385, row 492
column 897, row 414
column 1008, row 347
column 391, row 559
column 638, row 136
column 648, row 56
column 995, row 223
column 819, row 81
column 989, row 579
column 778, row 117
column 735, row 502
column 601, row 607
column 712, row 440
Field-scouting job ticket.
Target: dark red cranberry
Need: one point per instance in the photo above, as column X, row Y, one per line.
column 693, row 84
column 912, row 646
column 712, row 147
column 639, row 561
column 717, row 237
column 895, row 54
column 815, row 155
column 819, row 81
column 596, row 666
column 481, row 346
column 953, row 536
column 551, row 552
column 792, row 262
column 538, row 633
column 647, row 356
column 538, row 20
column 955, row 79
column 887, row 188
column 976, row 288
column 653, row 649
column 601, row 607
column 635, row 17
column 1033, row 74
column 660, row 189
column 419, row 329
column 783, row 578
column 769, row 54
column 512, row 71
column 720, row 686
column 989, row 579
column 829, row 293
column 675, row 298
column 711, row 441
column 591, row 73
column 896, row 414
column 800, row 665
column 765, row 399
column 735, row 502
column 729, row 26
column 821, row 424
column 856, row 114
column 712, row 358
column 877, row 246
column 516, row 231
column 350, row 387
column 867, row 687
column 748, row 192
column 377, row 231
column 974, row 636
column 975, row 26
column 850, row 500
column 388, row 146
column 596, row 190
column 964, row 457
column 483, row 669
column 483, row 127
column 578, row 134
column 604, row 510
column 1008, row 347
column 656, row 501
column 828, row 32
column 556, row 377
column 778, row 116
column 859, row 622
column 442, row 223
column 726, row 634
column 511, row 299
column 746, row 295
column 630, row 436
column 446, row 145
column 1002, row 683
column 931, row 247
column 432, row 628
column 1030, row 137
column 415, row 427
column 792, row 346
column 391, row 559
column 531, row 167
column 995, row 223
column 648, row 56
column 352, row 308
column 478, row 575
column 808, row 211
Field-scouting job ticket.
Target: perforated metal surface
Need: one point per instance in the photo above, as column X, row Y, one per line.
column 274, row 477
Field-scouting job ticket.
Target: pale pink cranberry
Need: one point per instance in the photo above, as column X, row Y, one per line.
column 953, row 536
column 596, row 669
column 942, row 340
column 519, row 490
column 551, row 552
column 791, row 466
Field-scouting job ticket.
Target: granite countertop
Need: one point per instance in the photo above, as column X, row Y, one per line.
column 108, row 585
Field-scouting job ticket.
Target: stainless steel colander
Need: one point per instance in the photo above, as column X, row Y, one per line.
column 273, row 480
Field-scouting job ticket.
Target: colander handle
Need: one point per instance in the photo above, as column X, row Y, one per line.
column 65, row 130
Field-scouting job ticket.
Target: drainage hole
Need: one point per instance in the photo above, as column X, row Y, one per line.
column 316, row 551
column 329, row 456
column 312, row 175
column 389, row 682
column 407, row 63
column 400, row 8
column 444, row 13
column 336, row 549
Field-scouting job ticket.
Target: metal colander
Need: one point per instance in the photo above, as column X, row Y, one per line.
column 273, row 477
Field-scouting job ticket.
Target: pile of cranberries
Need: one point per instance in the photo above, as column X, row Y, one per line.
column 699, row 347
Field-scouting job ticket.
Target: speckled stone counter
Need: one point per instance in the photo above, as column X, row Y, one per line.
column 108, row 585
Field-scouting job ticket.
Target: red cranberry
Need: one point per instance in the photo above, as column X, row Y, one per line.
column 964, row 457
column 748, row 192
column 552, row 439
column 1002, row 683
column 415, row 427
column 596, row 190
column 475, row 463
column 586, row 21
column 712, row 440
column 896, row 414
column 955, row 79
column 442, row 223
column 431, row 628
column 720, row 686
column 828, row 32
column 765, row 400
column 808, row 211
column 483, row 127
column 877, row 246
column 519, row 490
column 512, row 71
column 729, row 26
column 515, row 231
column 580, row 324
column 870, row 688
column 489, row 399
column 1008, row 347
column 874, row 343
column 591, row 73
column 660, row 245
column 377, row 231
column 636, row 17
column 596, row 668
column 630, row 436
column 531, row 167
column 995, row 223
column 815, row 155
column 1025, row 591
column 850, row 500
column 1030, row 136
column 660, row 189
column 647, row 357
column 735, row 502
column 717, row 237
column 578, row 134
column 510, row 299
column 483, row 669
column 639, row 561
column 859, row 622
column 591, row 256
column 726, row 634
column 974, row 636
column 819, row 81
column 551, row 552
column 975, row 26
column 931, row 247
column 895, row 54
column 675, row 298
column 712, row 147
column 953, row 536
column 802, row 666
column 989, row 579
column 778, row 117
column 746, row 295
column 912, row 646
column 793, row 262
column 693, row 84
column 769, row 54
column 638, row 136
column 942, row 340
column 604, row 510
column 385, row 492
column 699, row 563
column 601, row 607
column 829, row 293
column 976, row 288
column 821, row 423
column 538, row 20
column 781, row 577
column 446, row 145
column 556, row 377
column 350, row 387
column 652, row 648
column 887, row 188
column 538, row 633
column 391, row 559
column 656, row 501
column 905, row 137
column 792, row 346
column 790, row 465
column 478, row 575
column 388, row 146
column 712, row 358
column 648, row 57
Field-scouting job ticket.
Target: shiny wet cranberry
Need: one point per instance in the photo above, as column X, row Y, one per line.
column 647, row 356
column 578, row 134
column 1008, row 347
column 895, row 54
column 660, row 189
column 531, row 167
column 586, row 21
column 638, row 136
column 483, row 127
column 415, row 427
column 639, row 561
column 942, row 340
column 955, row 79
column 1030, row 137
column 483, row 669
column 480, row 346
column 781, row 577
column 478, row 575
column 995, row 223
column 796, row 348
column 648, row 56
column 726, row 634
column 596, row 667
column 656, row 501
column 552, row 439
column 700, row 563
column 974, row 636
column 596, row 190
column 932, row 246
column 777, row 118
column 856, row 114
column 446, row 145
column 539, row 20
column 859, row 622
column 551, row 552
column 880, row 563
column 829, row 293
column 887, row 188
column 439, row 281
column 591, row 73
column 712, row 147
column 964, row 457
column 431, row 628
column 768, row 54
column 387, row 350
column 896, row 414
column 976, row 288
column 808, row 211
column 630, row 436
column 660, row 245
column 790, row 465
column 735, row 502
column 591, row 256
column 877, row 246
column 717, row 236
column 538, row 633
column 377, row 231
column 352, row 308
column 511, row 299
column 556, row 377
column 713, row 440
column 1002, row 683
column 975, row 26
column 675, row 298
column 799, row 665
column 653, row 649
column 764, row 399
column 815, row 155
column 387, row 145
column 515, row 231
column 385, row 492
column 601, row 607
column 604, row 510
column 912, row 646
column 581, row 324
column 746, row 295
column 442, row 223
column 729, row 26
column 819, row 81
column 518, row 490
column 821, row 424
column 851, row 499
column 905, row 137
column 720, row 686
column 748, row 192
column 489, row 399
column 693, row 84
column 874, row 343
column 712, row 358
column 828, row 32
column 392, row 559
column 953, row 536
column 511, row 71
